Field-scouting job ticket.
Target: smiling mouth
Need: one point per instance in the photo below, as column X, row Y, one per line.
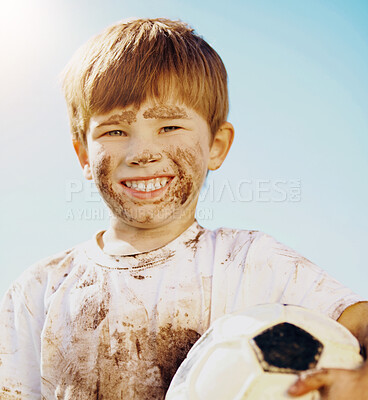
column 147, row 185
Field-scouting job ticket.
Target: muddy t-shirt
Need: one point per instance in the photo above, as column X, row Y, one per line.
column 89, row 325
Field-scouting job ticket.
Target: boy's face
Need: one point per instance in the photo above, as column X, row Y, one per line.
column 150, row 163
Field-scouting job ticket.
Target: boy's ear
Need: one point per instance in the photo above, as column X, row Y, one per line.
column 83, row 158
column 221, row 145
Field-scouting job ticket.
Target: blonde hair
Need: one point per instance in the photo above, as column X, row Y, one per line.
column 132, row 61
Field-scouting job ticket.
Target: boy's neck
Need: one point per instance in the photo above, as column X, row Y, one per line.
column 122, row 239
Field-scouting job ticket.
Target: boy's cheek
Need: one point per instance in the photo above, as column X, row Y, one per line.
column 101, row 167
column 191, row 172
column 189, row 157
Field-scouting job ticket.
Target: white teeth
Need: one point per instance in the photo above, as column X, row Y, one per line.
column 148, row 185
column 141, row 186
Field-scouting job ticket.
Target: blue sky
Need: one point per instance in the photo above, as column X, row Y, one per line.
column 299, row 98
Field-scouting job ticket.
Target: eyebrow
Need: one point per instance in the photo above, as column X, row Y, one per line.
column 165, row 112
column 125, row 116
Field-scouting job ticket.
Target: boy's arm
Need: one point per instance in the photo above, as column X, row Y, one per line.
column 336, row 384
column 20, row 331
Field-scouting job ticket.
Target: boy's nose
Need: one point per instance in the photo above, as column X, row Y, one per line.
column 143, row 158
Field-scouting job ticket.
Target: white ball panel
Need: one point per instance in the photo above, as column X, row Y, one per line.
column 226, row 366
column 240, row 325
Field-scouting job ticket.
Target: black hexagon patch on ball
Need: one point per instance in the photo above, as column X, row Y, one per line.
column 286, row 348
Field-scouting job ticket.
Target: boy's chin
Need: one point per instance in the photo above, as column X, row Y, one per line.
column 149, row 220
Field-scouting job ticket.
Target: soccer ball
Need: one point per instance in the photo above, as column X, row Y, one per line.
column 257, row 354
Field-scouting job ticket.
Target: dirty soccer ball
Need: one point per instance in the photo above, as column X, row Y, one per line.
column 257, row 354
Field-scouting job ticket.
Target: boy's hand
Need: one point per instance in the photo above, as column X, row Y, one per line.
column 334, row 384
column 341, row 384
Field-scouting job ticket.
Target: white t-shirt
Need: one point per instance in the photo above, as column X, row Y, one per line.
column 88, row 325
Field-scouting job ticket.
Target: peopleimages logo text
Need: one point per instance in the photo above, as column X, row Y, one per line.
column 245, row 190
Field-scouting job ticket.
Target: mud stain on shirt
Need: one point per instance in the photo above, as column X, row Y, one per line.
column 173, row 346
column 10, row 393
column 92, row 314
column 107, row 352
column 140, row 277
column 151, row 259
column 136, row 364
column 193, row 243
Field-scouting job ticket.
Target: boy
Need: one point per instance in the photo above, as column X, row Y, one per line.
column 114, row 317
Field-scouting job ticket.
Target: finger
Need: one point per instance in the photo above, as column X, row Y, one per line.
column 313, row 381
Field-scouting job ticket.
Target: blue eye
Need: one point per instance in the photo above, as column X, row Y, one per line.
column 167, row 129
column 115, row 133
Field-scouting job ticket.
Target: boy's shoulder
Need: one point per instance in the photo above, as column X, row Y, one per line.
column 235, row 235
column 252, row 240
column 44, row 274
column 198, row 237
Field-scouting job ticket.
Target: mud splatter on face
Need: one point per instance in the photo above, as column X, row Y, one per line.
column 189, row 169
column 102, row 168
column 183, row 158
column 185, row 163
column 165, row 112
column 127, row 117
column 103, row 171
column 183, row 191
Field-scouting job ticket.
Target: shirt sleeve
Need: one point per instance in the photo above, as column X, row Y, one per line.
column 289, row 278
column 20, row 333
